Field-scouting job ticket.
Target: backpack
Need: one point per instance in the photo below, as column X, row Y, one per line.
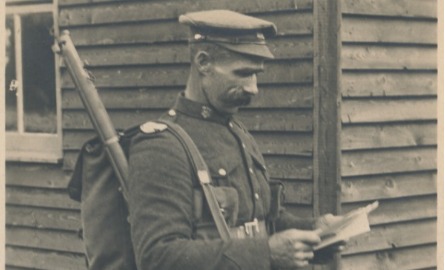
column 105, row 230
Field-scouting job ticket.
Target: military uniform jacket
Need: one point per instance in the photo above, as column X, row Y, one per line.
column 165, row 202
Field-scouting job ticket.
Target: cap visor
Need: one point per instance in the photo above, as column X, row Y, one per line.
column 259, row 50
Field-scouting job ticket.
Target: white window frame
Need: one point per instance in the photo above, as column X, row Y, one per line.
column 28, row 146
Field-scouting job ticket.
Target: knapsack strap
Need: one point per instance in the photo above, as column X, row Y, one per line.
column 202, row 173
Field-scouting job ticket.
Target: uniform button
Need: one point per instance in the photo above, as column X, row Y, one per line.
column 257, row 196
column 250, row 170
column 222, row 172
column 171, row 112
column 230, row 125
column 243, row 145
column 119, row 189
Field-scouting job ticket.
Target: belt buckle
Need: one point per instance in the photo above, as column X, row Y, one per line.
column 252, row 228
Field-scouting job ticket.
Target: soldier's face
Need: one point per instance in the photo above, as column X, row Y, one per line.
column 232, row 81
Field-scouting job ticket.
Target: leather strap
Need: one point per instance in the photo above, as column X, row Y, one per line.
column 203, row 175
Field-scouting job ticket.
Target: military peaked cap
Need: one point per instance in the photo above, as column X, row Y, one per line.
column 231, row 30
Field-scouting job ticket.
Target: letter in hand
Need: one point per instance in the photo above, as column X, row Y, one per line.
column 326, row 221
column 292, row 248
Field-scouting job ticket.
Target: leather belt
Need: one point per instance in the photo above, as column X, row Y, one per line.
column 253, row 229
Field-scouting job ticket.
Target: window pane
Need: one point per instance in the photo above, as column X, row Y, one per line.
column 10, row 93
column 38, row 73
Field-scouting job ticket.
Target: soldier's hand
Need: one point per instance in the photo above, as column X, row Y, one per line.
column 292, row 248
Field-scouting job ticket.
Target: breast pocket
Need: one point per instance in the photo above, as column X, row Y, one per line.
column 229, row 185
column 224, row 171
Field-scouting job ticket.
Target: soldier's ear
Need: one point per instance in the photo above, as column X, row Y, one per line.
column 202, row 61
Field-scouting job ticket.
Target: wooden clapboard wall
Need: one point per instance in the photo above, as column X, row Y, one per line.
column 138, row 55
column 388, row 139
column 41, row 223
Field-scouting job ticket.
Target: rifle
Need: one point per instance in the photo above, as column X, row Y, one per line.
column 95, row 108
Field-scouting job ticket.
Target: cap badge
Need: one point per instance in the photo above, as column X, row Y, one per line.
column 260, row 36
column 152, row 127
column 198, row 37
column 206, row 112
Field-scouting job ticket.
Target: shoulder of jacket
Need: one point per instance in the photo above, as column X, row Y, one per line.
column 154, row 134
column 152, row 127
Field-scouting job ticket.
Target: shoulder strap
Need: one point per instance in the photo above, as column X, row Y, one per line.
column 203, row 175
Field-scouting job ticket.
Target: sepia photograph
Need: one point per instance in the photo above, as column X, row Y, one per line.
column 222, row 134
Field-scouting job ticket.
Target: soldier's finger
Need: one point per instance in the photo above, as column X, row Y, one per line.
column 300, row 246
column 301, row 263
column 329, row 218
column 309, row 237
column 304, row 256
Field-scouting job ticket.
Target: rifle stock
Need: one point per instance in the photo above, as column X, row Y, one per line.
column 95, row 108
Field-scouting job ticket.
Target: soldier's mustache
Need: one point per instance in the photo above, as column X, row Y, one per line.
column 239, row 96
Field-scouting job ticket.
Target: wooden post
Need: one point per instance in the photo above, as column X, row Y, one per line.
column 327, row 100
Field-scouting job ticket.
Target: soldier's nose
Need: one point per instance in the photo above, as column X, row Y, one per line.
column 251, row 87
column 252, row 90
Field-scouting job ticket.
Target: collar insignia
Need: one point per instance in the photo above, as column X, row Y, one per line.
column 206, row 112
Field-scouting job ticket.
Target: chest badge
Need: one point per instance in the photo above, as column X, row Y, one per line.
column 206, row 112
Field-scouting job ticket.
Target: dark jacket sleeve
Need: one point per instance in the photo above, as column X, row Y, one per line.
column 161, row 214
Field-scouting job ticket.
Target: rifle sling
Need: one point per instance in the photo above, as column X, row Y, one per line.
column 202, row 172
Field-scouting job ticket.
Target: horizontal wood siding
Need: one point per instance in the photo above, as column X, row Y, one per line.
column 282, row 96
column 42, row 223
column 28, row 258
column 137, row 53
column 389, row 81
column 417, row 257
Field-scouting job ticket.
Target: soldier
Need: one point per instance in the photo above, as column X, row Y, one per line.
column 170, row 222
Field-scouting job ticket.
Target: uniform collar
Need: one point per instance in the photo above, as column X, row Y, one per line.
column 199, row 110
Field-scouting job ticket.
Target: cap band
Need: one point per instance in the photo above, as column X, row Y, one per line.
column 258, row 39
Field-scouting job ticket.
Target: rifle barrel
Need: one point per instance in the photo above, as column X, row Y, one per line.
column 95, row 108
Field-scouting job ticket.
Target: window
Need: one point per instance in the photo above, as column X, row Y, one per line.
column 32, row 95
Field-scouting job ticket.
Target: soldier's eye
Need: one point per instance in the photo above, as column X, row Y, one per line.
column 244, row 73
